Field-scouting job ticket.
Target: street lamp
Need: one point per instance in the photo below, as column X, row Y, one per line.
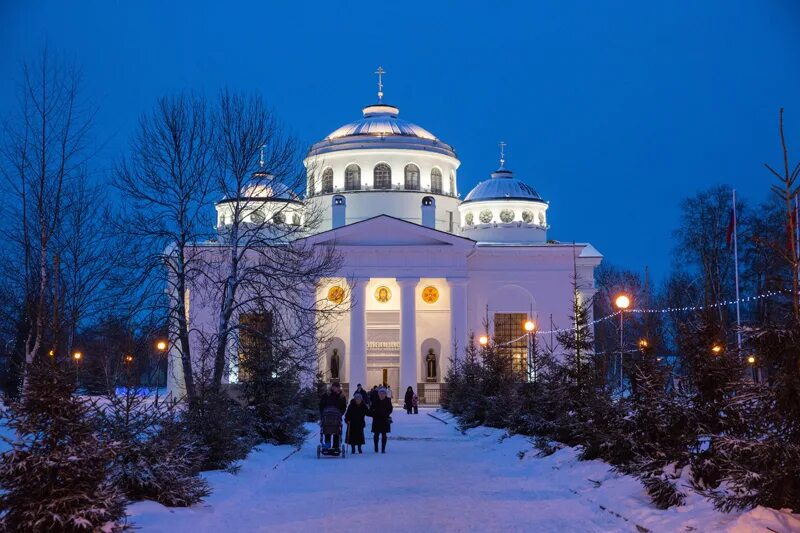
column 622, row 302
column 128, row 358
column 643, row 344
column 77, row 356
column 530, row 327
column 716, row 349
column 483, row 340
column 161, row 346
column 751, row 360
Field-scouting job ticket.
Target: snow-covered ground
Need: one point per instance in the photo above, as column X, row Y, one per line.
column 433, row 478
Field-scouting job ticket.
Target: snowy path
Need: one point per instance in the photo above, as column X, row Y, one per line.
column 432, row 478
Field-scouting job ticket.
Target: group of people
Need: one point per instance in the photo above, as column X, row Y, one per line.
column 376, row 404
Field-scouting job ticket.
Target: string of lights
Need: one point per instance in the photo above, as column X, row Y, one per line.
column 663, row 310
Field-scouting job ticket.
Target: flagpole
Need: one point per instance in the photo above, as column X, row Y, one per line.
column 736, row 271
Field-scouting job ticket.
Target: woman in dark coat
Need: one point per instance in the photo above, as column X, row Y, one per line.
column 355, row 418
column 408, row 401
column 381, row 412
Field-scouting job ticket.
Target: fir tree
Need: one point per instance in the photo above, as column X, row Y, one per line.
column 272, row 391
column 157, row 457
column 55, row 476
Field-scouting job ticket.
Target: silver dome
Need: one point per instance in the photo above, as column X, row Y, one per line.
column 380, row 128
column 503, row 186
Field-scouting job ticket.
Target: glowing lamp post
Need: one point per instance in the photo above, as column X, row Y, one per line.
column 751, row 360
column 77, row 356
column 716, row 349
column 529, row 328
column 483, row 340
column 161, row 346
column 622, row 302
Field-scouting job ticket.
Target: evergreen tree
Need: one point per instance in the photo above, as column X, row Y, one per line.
column 272, row 391
column 55, row 476
column 156, row 458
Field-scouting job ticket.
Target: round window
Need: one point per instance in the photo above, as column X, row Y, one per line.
column 469, row 219
column 278, row 218
column 507, row 215
column 486, row 216
column 527, row 216
column 257, row 217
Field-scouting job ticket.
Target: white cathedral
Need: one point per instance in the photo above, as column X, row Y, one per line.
column 424, row 268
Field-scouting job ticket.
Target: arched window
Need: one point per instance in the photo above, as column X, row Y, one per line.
column 382, row 176
column 412, row 177
column 327, row 181
column 312, row 186
column 436, row 181
column 428, row 200
column 352, row 178
column 452, row 183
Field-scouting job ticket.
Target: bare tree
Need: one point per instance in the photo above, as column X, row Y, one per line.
column 263, row 263
column 45, row 149
column 787, row 191
column 88, row 260
column 166, row 183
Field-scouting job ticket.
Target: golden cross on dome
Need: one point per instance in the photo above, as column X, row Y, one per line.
column 380, row 72
column 502, row 154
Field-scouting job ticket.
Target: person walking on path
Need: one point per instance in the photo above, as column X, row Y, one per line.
column 408, row 401
column 389, row 392
column 381, row 413
column 360, row 390
column 415, row 403
column 373, row 395
column 355, row 418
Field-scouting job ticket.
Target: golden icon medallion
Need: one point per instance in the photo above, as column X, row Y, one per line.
column 430, row 295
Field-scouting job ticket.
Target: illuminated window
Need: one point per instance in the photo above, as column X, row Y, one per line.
column 352, row 178
column 436, row 181
column 412, row 177
column 510, row 341
column 382, row 176
column 327, row 181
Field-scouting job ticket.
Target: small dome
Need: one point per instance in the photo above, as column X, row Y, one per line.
column 381, row 129
column 265, row 187
column 503, row 186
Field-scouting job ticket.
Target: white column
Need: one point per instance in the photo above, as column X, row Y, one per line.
column 458, row 314
column 357, row 349
column 409, row 358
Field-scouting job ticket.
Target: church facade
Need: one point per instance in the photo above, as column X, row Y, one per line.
column 423, row 269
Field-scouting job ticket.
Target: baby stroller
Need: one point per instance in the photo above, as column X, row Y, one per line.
column 331, row 424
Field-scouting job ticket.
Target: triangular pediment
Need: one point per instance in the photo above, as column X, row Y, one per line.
column 385, row 230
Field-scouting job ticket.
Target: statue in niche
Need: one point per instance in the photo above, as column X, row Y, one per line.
column 335, row 365
column 430, row 365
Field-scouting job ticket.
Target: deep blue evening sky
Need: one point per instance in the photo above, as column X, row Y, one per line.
column 614, row 111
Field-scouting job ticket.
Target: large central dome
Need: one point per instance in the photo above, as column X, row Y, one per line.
column 380, row 128
column 381, row 119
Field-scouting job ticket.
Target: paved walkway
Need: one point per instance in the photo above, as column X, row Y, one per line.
column 432, row 478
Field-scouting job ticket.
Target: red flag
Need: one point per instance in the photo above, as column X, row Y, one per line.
column 731, row 227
